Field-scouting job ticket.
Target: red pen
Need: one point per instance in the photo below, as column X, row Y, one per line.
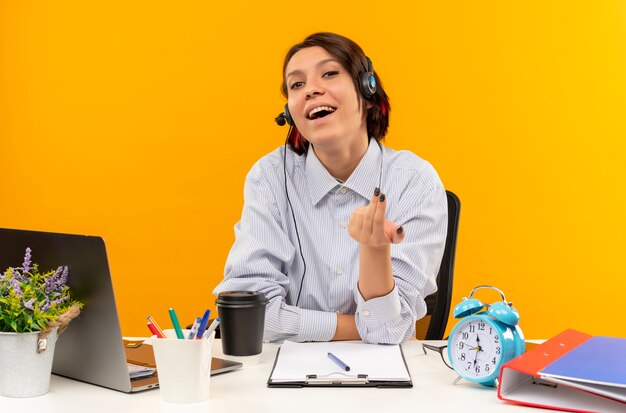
column 154, row 323
column 155, row 330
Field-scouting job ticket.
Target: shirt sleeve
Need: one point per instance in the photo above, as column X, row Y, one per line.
column 415, row 261
column 258, row 261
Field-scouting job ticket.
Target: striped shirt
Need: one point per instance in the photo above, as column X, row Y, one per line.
column 265, row 256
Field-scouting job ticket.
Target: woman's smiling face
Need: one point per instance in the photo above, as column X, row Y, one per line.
column 323, row 101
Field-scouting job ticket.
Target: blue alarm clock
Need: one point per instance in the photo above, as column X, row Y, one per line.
column 486, row 337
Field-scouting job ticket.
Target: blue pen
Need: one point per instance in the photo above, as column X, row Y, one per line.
column 338, row 362
column 203, row 323
column 194, row 329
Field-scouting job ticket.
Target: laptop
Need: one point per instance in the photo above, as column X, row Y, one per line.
column 91, row 349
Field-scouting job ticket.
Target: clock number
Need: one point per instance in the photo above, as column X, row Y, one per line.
column 493, row 361
column 462, row 356
column 481, row 326
column 472, row 328
column 487, row 368
column 477, row 369
column 469, row 364
column 496, row 339
column 490, row 331
column 460, row 346
column 465, row 336
column 497, row 350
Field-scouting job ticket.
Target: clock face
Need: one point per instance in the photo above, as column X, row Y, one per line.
column 476, row 348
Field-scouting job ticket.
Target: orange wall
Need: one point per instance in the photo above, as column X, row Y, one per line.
column 138, row 121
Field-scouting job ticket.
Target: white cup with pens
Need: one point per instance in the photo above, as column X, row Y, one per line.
column 184, row 367
column 183, row 362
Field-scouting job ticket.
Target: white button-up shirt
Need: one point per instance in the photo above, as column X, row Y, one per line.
column 265, row 256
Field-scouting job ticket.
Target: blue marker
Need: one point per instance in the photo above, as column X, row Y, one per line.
column 203, row 323
column 194, row 329
column 338, row 362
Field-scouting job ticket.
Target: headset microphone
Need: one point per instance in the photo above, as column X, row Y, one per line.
column 284, row 117
column 280, row 119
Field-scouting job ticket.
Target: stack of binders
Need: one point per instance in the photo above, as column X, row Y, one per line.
column 572, row 371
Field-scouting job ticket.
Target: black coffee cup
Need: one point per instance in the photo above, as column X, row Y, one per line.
column 242, row 320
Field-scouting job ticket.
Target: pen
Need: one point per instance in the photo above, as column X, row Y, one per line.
column 154, row 330
column 154, row 323
column 338, row 362
column 179, row 332
column 203, row 323
column 194, row 329
column 212, row 327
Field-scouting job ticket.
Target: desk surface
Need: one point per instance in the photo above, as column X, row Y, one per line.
column 245, row 390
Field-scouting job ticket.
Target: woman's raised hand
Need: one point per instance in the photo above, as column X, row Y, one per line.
column 368, row 225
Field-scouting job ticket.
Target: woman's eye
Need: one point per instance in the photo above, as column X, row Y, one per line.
column 296, row 85
column 331, row 73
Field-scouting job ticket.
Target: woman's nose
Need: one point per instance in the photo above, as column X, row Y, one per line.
column 313, row 89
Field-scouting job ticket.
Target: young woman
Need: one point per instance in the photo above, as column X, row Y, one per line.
column 343, row 235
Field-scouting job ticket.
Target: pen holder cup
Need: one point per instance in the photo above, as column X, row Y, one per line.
column 184, row 367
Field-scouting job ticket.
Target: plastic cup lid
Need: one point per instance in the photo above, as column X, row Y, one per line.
column 240, row 297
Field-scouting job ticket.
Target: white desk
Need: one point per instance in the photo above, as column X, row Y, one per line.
column 245, row 390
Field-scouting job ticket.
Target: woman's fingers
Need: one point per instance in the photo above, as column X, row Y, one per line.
column 394, row 232
column 368, row 226
column 398, row 235
column 368, row 223
column 379, row 217
column 355, row 225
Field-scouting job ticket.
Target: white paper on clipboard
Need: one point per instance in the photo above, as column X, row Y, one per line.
column 296, row 361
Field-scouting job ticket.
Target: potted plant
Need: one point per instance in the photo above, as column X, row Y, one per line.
column 34, row 308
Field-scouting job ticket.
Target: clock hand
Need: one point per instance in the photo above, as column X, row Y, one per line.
column 472, row 347
column 478, row 346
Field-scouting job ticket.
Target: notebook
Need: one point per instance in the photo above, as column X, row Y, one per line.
column 91, row 348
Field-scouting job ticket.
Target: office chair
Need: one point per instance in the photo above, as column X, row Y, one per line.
column 433, row 325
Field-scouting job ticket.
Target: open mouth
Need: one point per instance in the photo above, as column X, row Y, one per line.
column 320, row 112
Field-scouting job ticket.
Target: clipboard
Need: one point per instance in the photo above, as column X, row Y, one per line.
column 306, row 365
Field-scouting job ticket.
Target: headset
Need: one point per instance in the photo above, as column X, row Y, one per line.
column 367, row 87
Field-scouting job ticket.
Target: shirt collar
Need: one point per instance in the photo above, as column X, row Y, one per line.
column 363, row 180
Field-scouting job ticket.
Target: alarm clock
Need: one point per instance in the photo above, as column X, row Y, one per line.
column 486, row 337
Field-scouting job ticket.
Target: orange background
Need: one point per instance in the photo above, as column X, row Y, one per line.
column 138, row 121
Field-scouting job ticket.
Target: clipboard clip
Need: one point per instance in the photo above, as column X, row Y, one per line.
column 337, row 378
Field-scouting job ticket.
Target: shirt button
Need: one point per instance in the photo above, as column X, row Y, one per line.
column 344, row 225
column 339, row 271
column 342, row 190
column 366, row 313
